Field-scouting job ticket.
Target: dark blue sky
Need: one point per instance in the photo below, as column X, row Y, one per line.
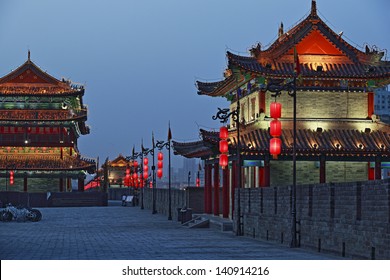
column 140, row 59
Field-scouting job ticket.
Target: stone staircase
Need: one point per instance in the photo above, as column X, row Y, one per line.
column 207, row 221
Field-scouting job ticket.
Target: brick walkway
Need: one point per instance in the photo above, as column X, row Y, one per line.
column 123, row 233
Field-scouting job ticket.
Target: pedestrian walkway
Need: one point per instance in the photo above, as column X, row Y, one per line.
column 123, row 233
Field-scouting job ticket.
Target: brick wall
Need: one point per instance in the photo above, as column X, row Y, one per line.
column 308, row 172
column 347, row 219
column 311, row 104
column 35, row 185
column 324, row 104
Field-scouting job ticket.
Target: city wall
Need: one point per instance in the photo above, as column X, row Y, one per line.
column 191, row 197
column 347, row 219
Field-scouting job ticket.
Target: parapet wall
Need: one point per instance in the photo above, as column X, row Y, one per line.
column 347, row 219
column 191, row 197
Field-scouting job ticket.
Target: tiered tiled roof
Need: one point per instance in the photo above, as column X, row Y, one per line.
column 323, row 56
column 46, row 162
column 333, row 143
column 51, row 115
column 198, row 149
column 29, row 79
column 119, row 161
column 338, row 140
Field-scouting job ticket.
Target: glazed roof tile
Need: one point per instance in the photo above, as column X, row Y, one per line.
column 29, row 79
column 345, row 143
column 47, row 162
column 339, row 59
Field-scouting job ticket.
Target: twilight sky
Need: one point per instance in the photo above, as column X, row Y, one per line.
column 140, row 59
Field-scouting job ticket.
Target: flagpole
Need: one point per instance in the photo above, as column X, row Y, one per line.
column 153, row 178
column 142, row 178
column 169, row 172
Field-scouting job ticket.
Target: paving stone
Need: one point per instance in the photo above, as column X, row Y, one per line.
column 121, row 233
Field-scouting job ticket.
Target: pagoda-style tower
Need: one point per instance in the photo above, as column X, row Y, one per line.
column 339, row 139
column 41, row 119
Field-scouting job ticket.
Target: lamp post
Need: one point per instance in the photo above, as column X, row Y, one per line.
column 223, row 115
column 151, row 152
column 189, row 178
column 291, row 89
column 160, row 145
column 6, row 173
column 133, row 157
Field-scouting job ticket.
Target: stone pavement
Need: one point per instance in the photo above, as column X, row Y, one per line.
column 129, row 233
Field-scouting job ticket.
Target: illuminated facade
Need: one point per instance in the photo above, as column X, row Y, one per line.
column 41, row 119
column 339, row 138
column 116, row 170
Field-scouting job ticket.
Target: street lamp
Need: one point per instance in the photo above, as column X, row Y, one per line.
column 291, row 89
column 151, row 152
column 133, row 157
column 223, row 115
column 160, row 145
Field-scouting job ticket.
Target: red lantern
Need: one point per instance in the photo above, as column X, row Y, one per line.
column 146, row 161
column 223, row 146
column 135, row 176
column 276, row 110
column 275, row 128
column 146, row 175
column 275, row 146
column 146, row 168
column 223, row 160
column 160, row 156
column 197, row 182
column 223, row 132
column 159, row 164
column 159, row 173
column 127, row 171
column 135, row 164
column 151, row 184
column 127, row 180
column 11, row 177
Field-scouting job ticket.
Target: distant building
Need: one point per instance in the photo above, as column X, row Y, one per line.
column 116, row 170
column 189, row 171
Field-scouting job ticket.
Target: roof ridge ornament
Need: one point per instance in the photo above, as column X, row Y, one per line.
column 313, row 12
column 28, row 56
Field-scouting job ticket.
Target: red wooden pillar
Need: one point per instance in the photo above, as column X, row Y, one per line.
column 216, row 189
column 370, row 104
column 80, row 185
column 261, row 176
column 61, row 184
column 322, row 170
column 371, row 172
column 25, row 184
column 225, row 193
column 208, row 190
column 378, row 168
